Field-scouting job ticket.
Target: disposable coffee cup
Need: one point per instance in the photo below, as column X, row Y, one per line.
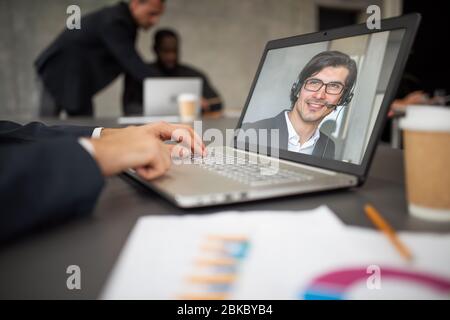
column 188, row 106
column 426, row 131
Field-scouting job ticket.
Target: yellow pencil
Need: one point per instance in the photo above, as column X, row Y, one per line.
column 381, row 224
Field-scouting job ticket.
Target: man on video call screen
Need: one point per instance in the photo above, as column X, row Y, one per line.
column 324, row 83
column 321, row 99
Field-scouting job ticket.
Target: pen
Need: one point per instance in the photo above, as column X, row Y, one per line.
column 381, row 224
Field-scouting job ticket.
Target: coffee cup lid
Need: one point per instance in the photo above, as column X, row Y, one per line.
column 426, row 118
column 187, row 97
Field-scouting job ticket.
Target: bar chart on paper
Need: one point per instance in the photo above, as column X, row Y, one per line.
column 216, row 267
column 274, row 255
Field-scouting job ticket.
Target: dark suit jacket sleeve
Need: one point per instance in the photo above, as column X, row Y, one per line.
column 119, row 39
column 210, row 92
column 36, row 131
column 132, row 98
column 44, row 183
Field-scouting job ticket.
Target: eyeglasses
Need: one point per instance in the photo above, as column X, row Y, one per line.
column 315, row 85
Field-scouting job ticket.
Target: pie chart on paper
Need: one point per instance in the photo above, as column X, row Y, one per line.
column 394, row 284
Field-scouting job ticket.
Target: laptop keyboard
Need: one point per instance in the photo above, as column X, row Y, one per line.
column 250, row 172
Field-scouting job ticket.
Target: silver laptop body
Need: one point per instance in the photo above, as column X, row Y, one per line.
column 238, row 173
column 202, row 184
column 160, row 94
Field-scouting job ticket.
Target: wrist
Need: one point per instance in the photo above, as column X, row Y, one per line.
column 108, row 131
column 100, row 157
column 87, row 145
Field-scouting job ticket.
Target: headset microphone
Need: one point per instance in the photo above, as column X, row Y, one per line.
column 330, row 105
column 345, row 102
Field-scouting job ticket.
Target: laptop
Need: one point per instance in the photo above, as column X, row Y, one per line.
column 160, row 94
column 311, row 122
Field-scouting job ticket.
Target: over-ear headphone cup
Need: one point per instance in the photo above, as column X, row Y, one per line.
column 348, row 99
column 294, row 92
column 292, row 96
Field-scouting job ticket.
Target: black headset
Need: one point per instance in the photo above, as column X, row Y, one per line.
column 345, row 100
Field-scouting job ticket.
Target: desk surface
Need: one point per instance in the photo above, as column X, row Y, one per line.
column 35, row 266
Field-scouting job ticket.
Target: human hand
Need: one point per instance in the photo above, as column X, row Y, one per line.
column 142, row 148
column 204, row 104
column 207, row 103
column 415, row 97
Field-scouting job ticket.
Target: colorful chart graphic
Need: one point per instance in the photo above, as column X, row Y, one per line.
column 336, row 285
column 216, row 269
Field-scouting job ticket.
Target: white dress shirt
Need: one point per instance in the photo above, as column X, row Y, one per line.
column 87, row 145
column 294, row 139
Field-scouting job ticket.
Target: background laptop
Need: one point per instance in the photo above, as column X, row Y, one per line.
column 380, row 56
column 160, row 94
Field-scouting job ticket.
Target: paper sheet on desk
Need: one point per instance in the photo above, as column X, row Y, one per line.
column 287, row 256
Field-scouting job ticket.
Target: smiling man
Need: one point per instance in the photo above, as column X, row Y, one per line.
column 324, row 83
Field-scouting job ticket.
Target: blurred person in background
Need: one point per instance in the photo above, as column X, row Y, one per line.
column 80, row 63
column 166, row 46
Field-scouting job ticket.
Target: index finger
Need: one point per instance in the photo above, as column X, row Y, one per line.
column 165, row 131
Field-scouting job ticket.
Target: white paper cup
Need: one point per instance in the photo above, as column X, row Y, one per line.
column 188, row 107
column 427, row 161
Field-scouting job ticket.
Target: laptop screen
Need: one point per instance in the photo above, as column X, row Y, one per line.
column 322, row 99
